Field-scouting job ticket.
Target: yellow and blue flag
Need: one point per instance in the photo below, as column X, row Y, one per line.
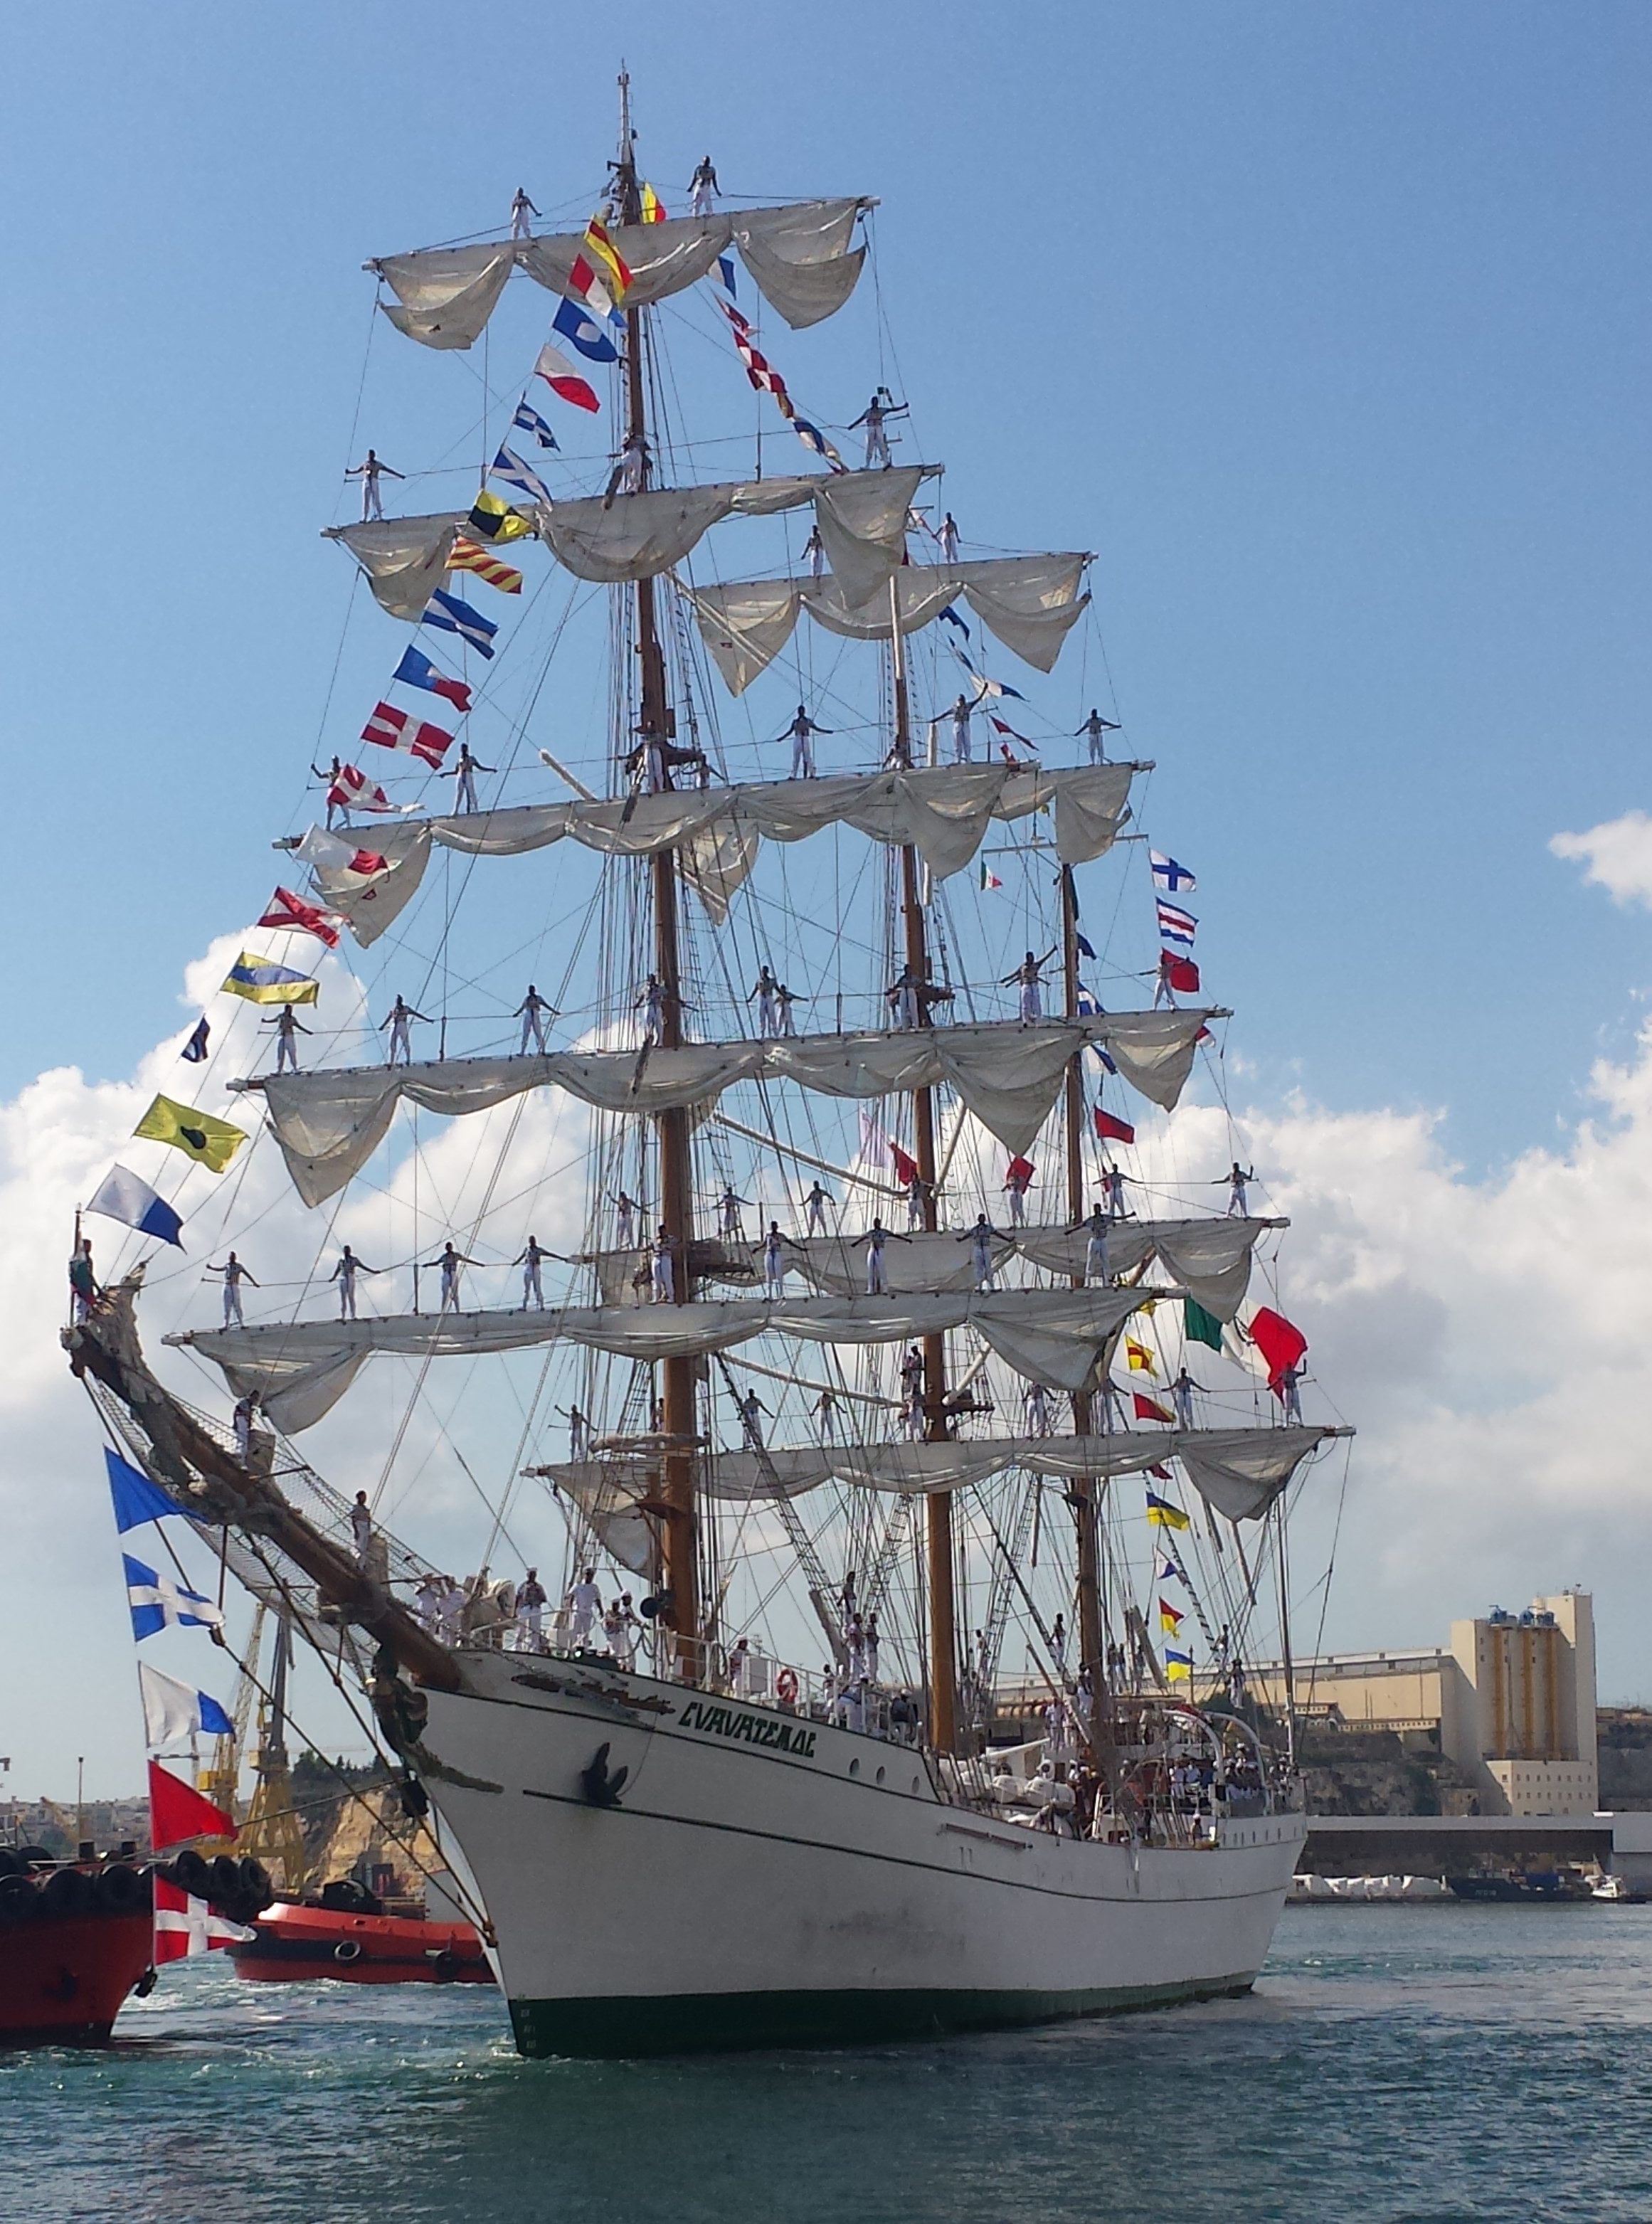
column 1178, row 1666
column 260, row 983
column 1162, row 1515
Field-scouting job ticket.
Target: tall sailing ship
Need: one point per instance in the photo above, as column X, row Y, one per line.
column 874, row 1335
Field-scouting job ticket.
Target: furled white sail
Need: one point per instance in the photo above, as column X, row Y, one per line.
column 1240, row 1472
column 1054, row 1336
column 798, row 256
column 330, row 1121
column 1210, row 1259
column 402, row 557
column 1031, row 603
column 943, row 810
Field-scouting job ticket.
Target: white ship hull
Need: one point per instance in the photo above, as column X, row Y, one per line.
column 765, row 1880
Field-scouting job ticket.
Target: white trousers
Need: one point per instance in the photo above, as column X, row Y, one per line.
column 530, row 1286
column 877, row 1283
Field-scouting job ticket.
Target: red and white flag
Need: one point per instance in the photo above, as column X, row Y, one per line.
column 399, row 729
column 183, row 1925
column 564, row 379
column 292, row 911
column 353, row 791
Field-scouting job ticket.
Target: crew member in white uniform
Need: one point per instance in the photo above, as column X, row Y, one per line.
column 289, row 1027
column 578, row 1433
column 529, row 1260
column 521, row 209
column 530, row 1610
column 1097, row 1265
column 1029, row 974
column 752, row 1409
column 875, row 417
column 370, row 474
column 450, row 1262
column 361, row 1528
column 703, row 189
column 585, row 1604
column 242, row 1422
column 960, row 717
column 763, row 993
column 877, row 1276
column 1290, row 1388
column 234, row 1274
column 345, row 1274
column 979, row 1240
column 728, row 1215
column 802, row 733
column 1238, row 1178
column 664, row 1279
column 1038, row 1412
column 773, row 1261
column 814, row 1206
column 625, row 1222
column 948, row 538
column 815, row 556
column 914, row 1195
column 1095, row 730
column 651, row 1002
column 784, row 999
column 531, row 1012
column 1182, row 1390
column 397, row 1020
column 1113, row 1182
column 826, row 1414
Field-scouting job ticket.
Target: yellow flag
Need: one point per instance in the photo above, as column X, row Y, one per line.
column 1141, row 1359
column 209, row 1141
column 493, row 518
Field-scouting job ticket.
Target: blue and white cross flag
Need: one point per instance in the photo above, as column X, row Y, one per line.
column 157, row 1602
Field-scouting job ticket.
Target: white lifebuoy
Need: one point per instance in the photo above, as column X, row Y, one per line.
column 347, row 1950
column 785, row 1687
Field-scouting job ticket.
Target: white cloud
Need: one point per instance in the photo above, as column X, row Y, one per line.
column 1618, row 855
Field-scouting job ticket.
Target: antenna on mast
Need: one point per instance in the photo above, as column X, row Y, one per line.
column 626, row 152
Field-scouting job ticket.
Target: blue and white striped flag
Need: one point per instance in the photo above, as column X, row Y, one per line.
column 1176, row 927
column 512, row 469
column 527, row 420
column 448, row 613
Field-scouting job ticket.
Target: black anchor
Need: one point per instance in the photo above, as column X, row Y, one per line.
column 601, row 1789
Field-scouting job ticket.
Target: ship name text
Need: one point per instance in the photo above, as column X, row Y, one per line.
column 750, row 1729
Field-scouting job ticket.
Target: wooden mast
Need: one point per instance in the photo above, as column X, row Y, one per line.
column 680, row 1555
column 937, row 1505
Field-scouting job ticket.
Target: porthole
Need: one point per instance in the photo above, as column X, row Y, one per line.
column 879, row 1777
column 854, row 1768
column 915, row 1784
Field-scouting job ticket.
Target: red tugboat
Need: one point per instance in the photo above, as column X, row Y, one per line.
column 350, row 1934
column 76, row 1937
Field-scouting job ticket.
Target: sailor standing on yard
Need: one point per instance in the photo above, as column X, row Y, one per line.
column 289, row 1027
column 450, row 1262
column 625, row 1222
column 1181, row 1392
column 1097, row 1267
column 397, row 1019
column 826, row 1416
column 531, row 1012
column 784, row 999
column 651, row 1002
column 664, row 1279
column 729, row 1224
column 1016, row 1182
column 1029, row 974
column 521, row 209
column 703, row 189
column 960, row 718
column 980, row 1240
column 800, row 733
column 814, row 557
column 877, row 1281
column 1038, row 1412
column 529, row 1260
column 466, row 769
column 1236, row 1177
column 948, row 539
column 1095, row 730
column 814, row 1206
column 763, row 990
column 752, row 1409
column 875, row 418
column 773, row 1261
column 369, row 473
column 234, row 1274
column 345, row 1274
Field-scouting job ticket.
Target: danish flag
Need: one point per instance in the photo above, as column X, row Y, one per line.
column 399, row 729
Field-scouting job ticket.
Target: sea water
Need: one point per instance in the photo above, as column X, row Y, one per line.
column 1395, row 2065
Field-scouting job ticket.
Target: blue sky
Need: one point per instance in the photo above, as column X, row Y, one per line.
column 1325, row 328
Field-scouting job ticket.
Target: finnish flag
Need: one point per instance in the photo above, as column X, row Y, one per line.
column 157, row 1602
column 171, row 1709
